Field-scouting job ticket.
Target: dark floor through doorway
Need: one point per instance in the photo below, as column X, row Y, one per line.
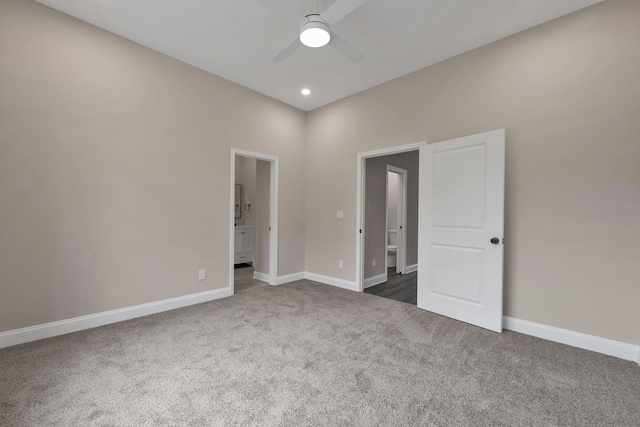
column 398, row 287
column 243, row 278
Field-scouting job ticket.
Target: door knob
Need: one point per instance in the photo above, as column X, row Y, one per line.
column 495, row 240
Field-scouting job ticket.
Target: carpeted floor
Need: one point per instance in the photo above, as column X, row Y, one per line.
column 306, row 354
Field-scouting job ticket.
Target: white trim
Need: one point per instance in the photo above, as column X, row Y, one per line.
column 273, row 221
column 263, row 277
column 375, row 280
column 273, row 212
column 360, row 192
column 411, row 268
column 232, row 220
column 340, row 283
column 575, row 339
column 48, row 330
column 401, row 254
column 393, row 150
column 288, row 278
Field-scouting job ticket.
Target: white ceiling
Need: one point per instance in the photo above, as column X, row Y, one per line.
column 236, row 39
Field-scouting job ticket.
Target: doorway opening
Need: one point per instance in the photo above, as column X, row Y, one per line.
column 253, row 234
column 387, row 209
column 396, row 210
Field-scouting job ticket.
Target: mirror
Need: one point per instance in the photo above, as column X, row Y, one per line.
column 238, row 201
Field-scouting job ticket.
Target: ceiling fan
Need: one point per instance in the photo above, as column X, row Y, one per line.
column 317, row 26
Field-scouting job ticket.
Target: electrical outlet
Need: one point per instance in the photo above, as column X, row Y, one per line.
column 202, row 274
column 340, row 264
column 373, row 262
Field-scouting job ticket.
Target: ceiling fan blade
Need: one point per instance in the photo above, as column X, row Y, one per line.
column 287, row 50
column 347, row 49
column 340, row 9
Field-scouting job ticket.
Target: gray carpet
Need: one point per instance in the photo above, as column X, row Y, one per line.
column 306, row 354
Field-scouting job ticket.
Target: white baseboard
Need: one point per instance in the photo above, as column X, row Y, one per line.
column 576, row 339
column 327, row 280
column 48, row 330
column 375, row 280
column 263, row 277
column 288, row 278
column 411, row 268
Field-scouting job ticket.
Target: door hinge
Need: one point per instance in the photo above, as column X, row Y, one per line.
column 361, row 231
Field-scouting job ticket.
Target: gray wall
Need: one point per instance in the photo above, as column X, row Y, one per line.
column 568, row 94
column 114, row 166
column 375, row 246
column 115, row 171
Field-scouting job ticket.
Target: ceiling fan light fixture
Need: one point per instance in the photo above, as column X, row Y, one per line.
column 314, row 32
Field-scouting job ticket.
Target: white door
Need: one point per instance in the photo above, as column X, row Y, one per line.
column 460, row 240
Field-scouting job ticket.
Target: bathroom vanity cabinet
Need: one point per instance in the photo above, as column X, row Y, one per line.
column 244, row 244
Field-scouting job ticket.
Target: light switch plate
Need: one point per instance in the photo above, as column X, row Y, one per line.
column 202, row 274
column 340, row 214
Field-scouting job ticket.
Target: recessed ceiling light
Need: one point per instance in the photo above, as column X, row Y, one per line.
column 305, row 92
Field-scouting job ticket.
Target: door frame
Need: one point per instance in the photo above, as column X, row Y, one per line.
column 401, row 254
column 360, row 200
column 273, row 212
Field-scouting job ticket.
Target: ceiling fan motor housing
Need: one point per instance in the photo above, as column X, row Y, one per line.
column 314, row 31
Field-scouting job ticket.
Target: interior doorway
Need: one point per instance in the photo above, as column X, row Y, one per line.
column 253, row 249
column 373, row 251
column 396, row 216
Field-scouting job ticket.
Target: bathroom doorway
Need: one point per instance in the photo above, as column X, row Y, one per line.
column 387, row 247
column 254, row 218
column 396, row 208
